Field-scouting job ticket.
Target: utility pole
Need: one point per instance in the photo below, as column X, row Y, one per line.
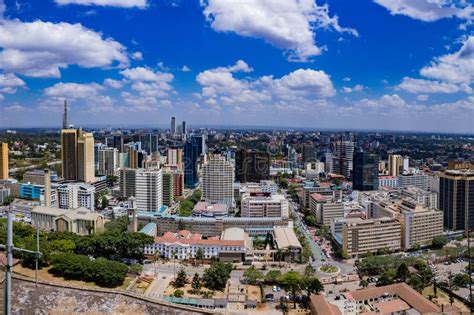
column 469, row 267
column 9, row 248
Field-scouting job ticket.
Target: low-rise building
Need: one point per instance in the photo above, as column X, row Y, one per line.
column 287, row 243
column 80, row 221
column 361, row 236
column 185, row 245
column 207, row 210
column 211, row 226
column 397, row 298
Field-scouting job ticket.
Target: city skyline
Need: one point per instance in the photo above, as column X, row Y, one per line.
column 407, row 67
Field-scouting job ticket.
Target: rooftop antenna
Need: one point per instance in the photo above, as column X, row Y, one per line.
column 65, row 122
column 9, row 247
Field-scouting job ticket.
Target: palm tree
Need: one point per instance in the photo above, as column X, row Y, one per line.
column 156, row 257
column 173, row 253
column 279, row 257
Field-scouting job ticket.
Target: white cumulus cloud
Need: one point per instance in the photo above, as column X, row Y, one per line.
column 73, row 90
column 302, row 86
column 457, row 67
column 41, row 49
column 429, row 10
column 430, row 86
column 286, row 24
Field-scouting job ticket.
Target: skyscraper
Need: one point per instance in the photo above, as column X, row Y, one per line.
column 108, row 161
column 184, row 127
column 342, row 162
column 456, row 199
column 149, row 189
column 251, row 166
column 173, row 125
column 85, row 157
column 168, row 186
column 65, row 120
column 77, row 155
column 395, row 164
column 69, row 154
column 309, row 153
column 117, row 142
column 365, row 174
column 175, row 157
column 3, row 160
column 218, row 180
column 191, row 157
column 127, row 182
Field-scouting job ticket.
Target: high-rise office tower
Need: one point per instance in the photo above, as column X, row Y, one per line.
column 127, row 182
column 85, row 157
column 108, row 161
column 251, row 166
column 117, row 142
column 173, row 125
column 149, row 189
column 201, row 143
column 342, row 162
column 132, row 157
column 191, row 157
column 69, row 154
column 3, row 160
column 218, row 181
column 168, row 188
column 183, row 127
column 365, row 174
column 65, row 120
column 175, row 157
column 309, row 153
column 395, row 164
column 456, row 199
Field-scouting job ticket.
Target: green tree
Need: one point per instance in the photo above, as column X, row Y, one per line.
column 181, row 279
column 200, row 255
column 63, row 245
column 439, row 241
column 416, row 283
column 461, row 280
column 104, row 203
column 310, row 220
column 178, row 293
column 196, row 283
column 135, row 268
column 363, row 283
column 252, row 275
column 272, row 276
column 216, row 276
column 186, row 208
column 387, row 277
column 416, row 247
column 312, row 285
column 292, row 283
column 402, row 273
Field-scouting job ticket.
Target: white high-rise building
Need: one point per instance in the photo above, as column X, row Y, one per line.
column 108, row 161
column 217, row 181
column 76, row 195
column 149, row 189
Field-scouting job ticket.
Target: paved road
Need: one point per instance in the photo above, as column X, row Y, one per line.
column 318, row 257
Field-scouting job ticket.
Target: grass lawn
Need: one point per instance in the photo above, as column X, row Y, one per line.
column 443, row 298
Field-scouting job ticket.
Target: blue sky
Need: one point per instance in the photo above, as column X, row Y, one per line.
column 381, row 64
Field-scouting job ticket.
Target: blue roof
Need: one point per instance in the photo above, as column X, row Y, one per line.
column 147, row 229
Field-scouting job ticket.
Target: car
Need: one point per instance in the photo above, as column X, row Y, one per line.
column 269, row 297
